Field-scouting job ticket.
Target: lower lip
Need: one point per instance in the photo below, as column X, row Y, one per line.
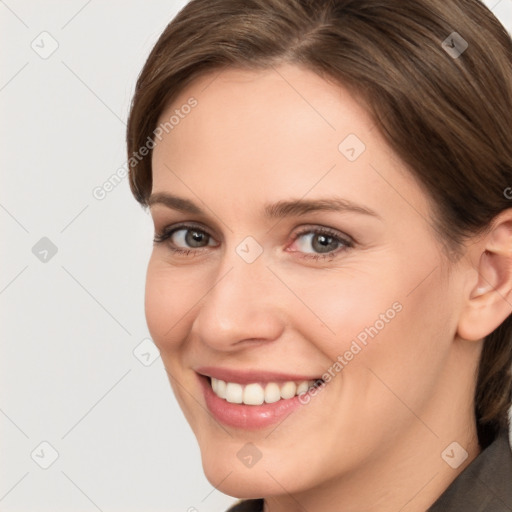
column 248, row 417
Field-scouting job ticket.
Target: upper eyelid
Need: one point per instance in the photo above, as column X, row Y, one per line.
column 310, row 228
column 179, row 227
column 324, row 230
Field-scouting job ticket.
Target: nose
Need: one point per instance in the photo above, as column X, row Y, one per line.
column 244, row 303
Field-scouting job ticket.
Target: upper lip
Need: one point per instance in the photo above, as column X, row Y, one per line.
column 248, row 376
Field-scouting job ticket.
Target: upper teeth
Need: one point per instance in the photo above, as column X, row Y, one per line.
column 256, row 394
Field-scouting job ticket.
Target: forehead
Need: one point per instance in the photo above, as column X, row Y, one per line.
column 281, row 131
column 289, row 101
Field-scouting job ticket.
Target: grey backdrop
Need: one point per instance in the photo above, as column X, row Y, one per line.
column 88, row 420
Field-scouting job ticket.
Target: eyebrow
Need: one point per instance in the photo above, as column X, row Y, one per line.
column 278, row 210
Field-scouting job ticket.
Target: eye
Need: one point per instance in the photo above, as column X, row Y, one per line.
column 324, row 242
column 184, row 238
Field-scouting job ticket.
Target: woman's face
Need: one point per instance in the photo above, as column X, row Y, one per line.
column 307, row 252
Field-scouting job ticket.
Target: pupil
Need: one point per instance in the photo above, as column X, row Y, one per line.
column 194, row 237
column 324, row 241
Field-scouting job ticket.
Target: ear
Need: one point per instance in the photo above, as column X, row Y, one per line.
column 489, row 289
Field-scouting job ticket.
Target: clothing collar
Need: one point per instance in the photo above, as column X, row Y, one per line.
column 485, row 485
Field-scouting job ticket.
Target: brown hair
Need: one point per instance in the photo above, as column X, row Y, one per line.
column 447, row 115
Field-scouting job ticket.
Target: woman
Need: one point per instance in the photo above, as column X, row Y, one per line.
column 331, row 281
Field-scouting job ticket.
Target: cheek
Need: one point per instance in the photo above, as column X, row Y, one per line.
column 337, row 305
column 391, row 312
column 405, row 350
column 169, row 296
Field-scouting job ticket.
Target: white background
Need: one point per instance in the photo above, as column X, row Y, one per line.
column 70, row 325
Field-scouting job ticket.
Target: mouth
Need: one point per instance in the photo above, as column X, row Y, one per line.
column 255, row 403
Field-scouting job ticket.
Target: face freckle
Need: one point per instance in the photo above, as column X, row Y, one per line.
column 376, row 316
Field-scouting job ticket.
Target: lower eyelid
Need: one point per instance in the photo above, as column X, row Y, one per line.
column 326, row 255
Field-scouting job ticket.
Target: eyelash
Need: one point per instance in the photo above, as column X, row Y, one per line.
column 346, row 243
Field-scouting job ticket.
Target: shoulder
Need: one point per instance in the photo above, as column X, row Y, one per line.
column 255, row 505
column 485, row 485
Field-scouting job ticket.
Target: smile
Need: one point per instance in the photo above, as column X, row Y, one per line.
column 256, row 393
column 254, row 398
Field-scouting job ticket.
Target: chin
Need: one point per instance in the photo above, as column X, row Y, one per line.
column 245, row 486
column 230, row 476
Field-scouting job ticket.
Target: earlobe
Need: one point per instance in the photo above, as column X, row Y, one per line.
column 489, row 301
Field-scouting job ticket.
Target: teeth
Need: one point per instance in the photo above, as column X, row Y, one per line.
column 253, row 394
column 272, row 393
column 221, row 388
column 288, row 390
column 302, row 388
column 256, row 394
column 234, row 392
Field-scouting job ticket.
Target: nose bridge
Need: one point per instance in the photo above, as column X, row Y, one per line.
column 241, row 303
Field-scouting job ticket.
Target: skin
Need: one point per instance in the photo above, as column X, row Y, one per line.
column 372, row 438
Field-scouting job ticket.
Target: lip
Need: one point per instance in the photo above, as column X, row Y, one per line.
column 248, row 377
column 247, row 417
